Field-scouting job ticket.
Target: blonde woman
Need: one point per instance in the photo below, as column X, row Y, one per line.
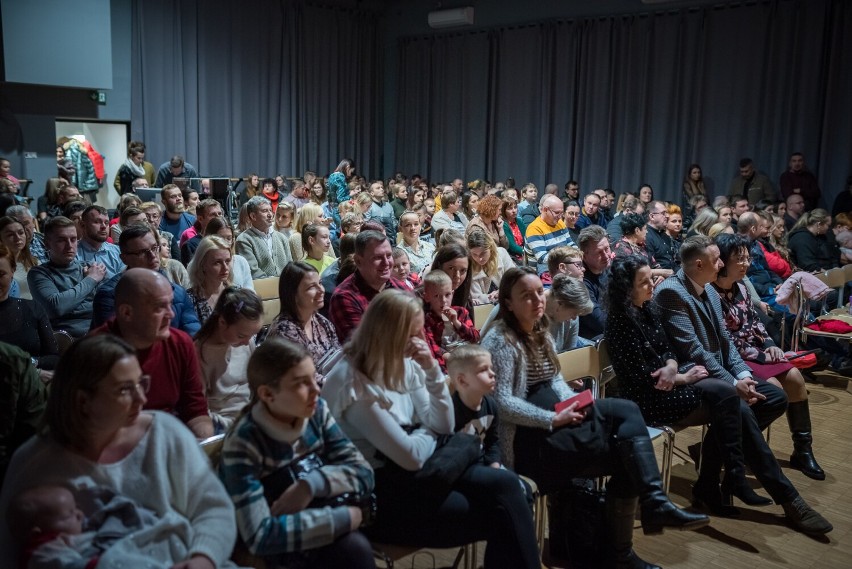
column 488, row 262
column 221, row 227
column 285, row 216
column 387, row 382
column 808, row 243
column 309, row 213
column 209, row 274
column 172, row 268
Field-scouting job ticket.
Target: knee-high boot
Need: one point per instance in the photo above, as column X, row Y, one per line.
column 728, row 432
column 799, row 419
column 638, row 458
column 620, row 514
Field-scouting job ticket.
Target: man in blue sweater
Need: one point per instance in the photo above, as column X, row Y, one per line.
column 139, row 249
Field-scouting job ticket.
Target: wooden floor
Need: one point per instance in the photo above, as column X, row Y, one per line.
column 759, row 539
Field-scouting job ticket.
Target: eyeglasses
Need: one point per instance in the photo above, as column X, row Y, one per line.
column 554, row 212
column 665, row 213
column 744, row 261
column 571, row 214
column 152, row 252
column 578, row 264
column 134, row 388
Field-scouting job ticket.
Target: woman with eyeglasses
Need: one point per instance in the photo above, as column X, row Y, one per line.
column 760, row 353
column 571, row 215
column 98, row 440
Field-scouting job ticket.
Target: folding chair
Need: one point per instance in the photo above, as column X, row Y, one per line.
column 390, row 554
column 836, row 279
column 267, row 290
column 63, row 340
column 481, row 313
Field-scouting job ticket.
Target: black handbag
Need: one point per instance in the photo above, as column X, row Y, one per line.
column 276, row 483
column 577, row 527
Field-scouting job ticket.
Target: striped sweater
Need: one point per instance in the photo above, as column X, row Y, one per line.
column 542, row 237
column 260, row 445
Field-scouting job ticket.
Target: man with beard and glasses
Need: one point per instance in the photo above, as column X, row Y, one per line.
column 92, row 246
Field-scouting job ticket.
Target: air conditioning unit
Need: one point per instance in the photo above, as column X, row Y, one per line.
column 451, row 18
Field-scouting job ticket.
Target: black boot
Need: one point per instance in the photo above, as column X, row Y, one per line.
column 640, row 462
column 727, row 431
column 799, row 419
column 620, row 513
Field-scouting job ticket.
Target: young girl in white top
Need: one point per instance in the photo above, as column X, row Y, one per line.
column 224, row 345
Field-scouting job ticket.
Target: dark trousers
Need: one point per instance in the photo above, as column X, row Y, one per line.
column 758, row 455
column 586, row 450
column 485, row 504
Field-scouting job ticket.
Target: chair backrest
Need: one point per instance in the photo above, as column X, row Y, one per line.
column 607, row 373
column 271, row 308
column 266, row 288
column 481, row 314
column 835, row 278
column 580, row 363
column 212, row 447
column 63, row 340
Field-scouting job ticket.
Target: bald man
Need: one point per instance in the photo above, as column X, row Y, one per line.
column 143, row 300
column 548, row 230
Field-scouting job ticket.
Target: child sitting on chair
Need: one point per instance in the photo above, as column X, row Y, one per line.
column 445, row 326
column 300, row 487
column 470, row 371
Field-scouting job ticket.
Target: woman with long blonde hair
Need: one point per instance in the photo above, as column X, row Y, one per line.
column 209, row 274
column 390, row 397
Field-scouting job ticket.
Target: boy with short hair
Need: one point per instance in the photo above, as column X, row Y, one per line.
column 472, row 375
column 402, row 269
column 445, row 326
column 566, row 260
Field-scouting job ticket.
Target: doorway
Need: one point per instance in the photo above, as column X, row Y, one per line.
column 110, row 140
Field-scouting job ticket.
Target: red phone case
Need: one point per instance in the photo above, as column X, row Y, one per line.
column 583, row 399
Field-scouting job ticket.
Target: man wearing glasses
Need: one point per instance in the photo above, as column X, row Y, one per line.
column 547, row 231
column 140, row 250
column 658, row 242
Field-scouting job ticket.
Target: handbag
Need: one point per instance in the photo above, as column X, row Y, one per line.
column 276, row 483
column 577, row 527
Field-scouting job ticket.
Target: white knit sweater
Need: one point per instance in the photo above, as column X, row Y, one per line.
column 167, row 472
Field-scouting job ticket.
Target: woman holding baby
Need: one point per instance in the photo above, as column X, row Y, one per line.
column 100, row 445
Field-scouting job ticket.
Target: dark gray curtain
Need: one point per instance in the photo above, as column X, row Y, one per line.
column 617, row 101
column 256, row 86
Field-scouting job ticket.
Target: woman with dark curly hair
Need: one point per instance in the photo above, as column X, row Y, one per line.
column 668, row 391
column 634, row 228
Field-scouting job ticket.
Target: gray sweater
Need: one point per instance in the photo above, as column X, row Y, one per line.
column 510, row 366
column 65, row 294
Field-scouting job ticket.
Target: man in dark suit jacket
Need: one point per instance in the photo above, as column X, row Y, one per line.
column 691, row 312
